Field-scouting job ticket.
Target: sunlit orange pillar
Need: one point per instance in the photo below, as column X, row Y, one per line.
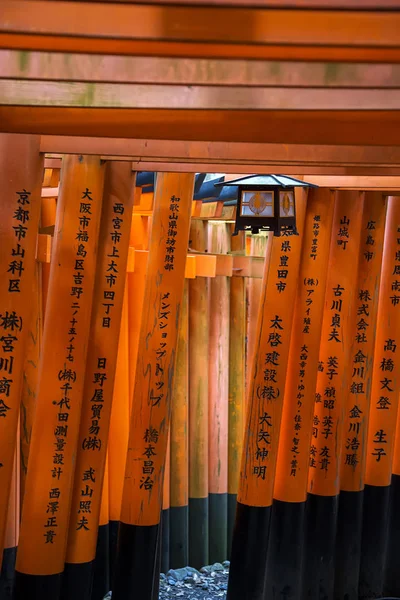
column 47, row 221
column 218, row 398
column 383, row 413
column 21, row 173
column 101, row 363
column 46, row 509
column 198, row 406
column 358, row 393
column 179, row 475
column 119, row 431
column 285, row 552
column 337, row 328
column 165, row 513
column 135, row 570
column 264, row 411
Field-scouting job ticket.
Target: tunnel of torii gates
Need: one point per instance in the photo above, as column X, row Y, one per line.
column 186, row 396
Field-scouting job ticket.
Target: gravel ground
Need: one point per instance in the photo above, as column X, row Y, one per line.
column 189, row 584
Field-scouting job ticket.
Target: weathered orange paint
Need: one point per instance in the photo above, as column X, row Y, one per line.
column 294, row 441
column 43, row 536
column 47, row 219
column 21, row 169
column 354, row 443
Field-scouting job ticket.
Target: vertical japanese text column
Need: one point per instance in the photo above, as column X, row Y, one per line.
column 21, row 173
column 45, row 514
column 264, row 411
column 325, row 449
column 383, row 413
column 357, row 399
column 285, row 551
column 112, row 258
column 135, row 570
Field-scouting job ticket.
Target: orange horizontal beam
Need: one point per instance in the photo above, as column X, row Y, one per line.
column 200, row 30
column 286, row 127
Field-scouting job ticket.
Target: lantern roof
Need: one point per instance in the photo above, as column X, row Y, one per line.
column 266, row 180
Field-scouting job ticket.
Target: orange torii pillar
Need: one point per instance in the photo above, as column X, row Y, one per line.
column 383, row 413
column 198, row 406
column 354, row 438
column 21, row 174
column 264, row 411
column 108, row 295
column 285, row 551
column 218, row 398
column 135, row 571
column 46, row 509
column 179, row 475
column 12, row 531
column 119, row 432
column 325, row 449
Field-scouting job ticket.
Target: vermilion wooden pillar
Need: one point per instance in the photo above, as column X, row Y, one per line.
column 46, row 510
column 21, row 174
column 136, row 572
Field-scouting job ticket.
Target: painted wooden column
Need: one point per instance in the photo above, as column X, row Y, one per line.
column 383, row 414
column 21, row 173
column 236, row 405
column 30, row 377
column 358, row 394
column 101, row 363
column 198, row 407
column 337, row 327
column 179, row 476
column 264, row 411
column 165, row 513
column 101, row 568
column 47, row 220
column 119, row 431
column 46, row 510
column 218, row 398
column 135, row 571
column 285, row 551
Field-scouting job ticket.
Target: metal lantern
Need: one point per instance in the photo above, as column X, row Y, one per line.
column 266, row 202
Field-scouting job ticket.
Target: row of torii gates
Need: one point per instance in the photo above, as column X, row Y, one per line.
column 308, row 88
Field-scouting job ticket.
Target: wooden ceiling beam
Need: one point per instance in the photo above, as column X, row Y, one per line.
column 200, row 31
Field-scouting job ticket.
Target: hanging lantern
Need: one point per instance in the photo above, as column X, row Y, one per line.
column 266, row 202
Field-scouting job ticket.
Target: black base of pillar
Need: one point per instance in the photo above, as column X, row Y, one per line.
column 113, row 529
column 319, row 555
column 179, row 536
column 7, row 573
column 249, row 553
column 232, row 500
column 37, row 587
column 101, row 576
column 77, row 581
column 218, row 527
column 374, row 541
column 136, row 562
column 198, row 532
column 165, row 535
column 348, row 545
column 285, row 551
column 391, row 584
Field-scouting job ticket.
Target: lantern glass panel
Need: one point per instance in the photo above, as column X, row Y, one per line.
column 257, row 204
column 286, row 204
